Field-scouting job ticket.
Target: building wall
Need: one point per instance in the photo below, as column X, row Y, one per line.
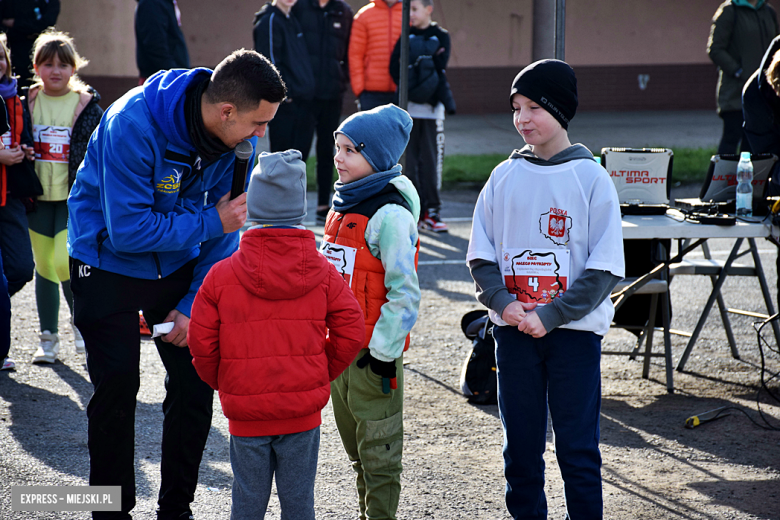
column 657, row 32
column 658, row 44
column 103, row 32
column 649, row 56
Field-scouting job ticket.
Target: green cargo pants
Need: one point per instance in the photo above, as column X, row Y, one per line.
column 371, row 427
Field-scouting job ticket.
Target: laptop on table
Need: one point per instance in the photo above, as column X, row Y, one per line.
column 642, row 178
column 719, row 190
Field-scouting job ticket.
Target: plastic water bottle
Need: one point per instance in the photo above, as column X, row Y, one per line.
column 745, row 186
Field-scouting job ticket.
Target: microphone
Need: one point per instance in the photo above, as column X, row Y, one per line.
column 243, row 153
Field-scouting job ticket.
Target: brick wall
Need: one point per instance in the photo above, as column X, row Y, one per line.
column 602, row 88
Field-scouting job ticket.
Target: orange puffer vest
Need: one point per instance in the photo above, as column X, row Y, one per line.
column 366, row 275
column 16, row 122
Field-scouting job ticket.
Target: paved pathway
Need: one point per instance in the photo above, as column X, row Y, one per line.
column 494, row 133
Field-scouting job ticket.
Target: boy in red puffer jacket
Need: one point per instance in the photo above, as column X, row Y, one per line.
column 271, row 327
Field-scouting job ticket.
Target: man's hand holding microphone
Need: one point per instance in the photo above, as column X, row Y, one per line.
column 232, row 206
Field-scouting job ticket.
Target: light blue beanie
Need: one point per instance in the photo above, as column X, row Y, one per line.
column 380, row 134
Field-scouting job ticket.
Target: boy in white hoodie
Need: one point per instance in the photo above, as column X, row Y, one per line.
column 548, row 219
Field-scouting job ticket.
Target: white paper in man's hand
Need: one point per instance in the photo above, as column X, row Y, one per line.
column 161, row 329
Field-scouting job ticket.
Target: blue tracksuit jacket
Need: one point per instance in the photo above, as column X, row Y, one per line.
column 137, row 207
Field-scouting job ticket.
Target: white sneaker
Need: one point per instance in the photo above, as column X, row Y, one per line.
column 47, row 351
column 8, row 364
column 78, row 340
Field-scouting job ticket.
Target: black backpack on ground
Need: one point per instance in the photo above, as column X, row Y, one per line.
column 478, row 379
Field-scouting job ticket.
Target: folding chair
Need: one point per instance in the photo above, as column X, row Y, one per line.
column 658, row 289
column 642, row 178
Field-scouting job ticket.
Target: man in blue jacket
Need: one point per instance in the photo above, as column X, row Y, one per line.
column 148, row 216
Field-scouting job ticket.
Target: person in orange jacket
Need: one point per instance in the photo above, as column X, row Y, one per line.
column 376, row 28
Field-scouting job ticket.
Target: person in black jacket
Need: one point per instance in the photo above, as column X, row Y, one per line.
column 425, row 152
column 279, row 37
column 761, row 109
column 326, row 26
column 23, row 21
column 159, row 42
column 741, row 31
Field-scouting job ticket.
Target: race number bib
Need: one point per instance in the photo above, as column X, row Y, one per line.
column 343, row 257
column 7, row 142
column 536, row 274
column 52, row 143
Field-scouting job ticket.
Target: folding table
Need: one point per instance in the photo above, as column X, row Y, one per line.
column 673, row 226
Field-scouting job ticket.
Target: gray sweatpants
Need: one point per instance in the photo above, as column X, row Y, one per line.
column 291, row 458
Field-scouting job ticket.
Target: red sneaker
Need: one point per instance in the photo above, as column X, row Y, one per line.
column 143, row 326
column 433, row 222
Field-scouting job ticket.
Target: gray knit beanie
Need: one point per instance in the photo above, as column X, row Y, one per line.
column 277, row 189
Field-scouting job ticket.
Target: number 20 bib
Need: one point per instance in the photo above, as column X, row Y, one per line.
column 51, row 143
column 536, row 274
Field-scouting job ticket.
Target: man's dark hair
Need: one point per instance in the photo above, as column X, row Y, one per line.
column 244, row 79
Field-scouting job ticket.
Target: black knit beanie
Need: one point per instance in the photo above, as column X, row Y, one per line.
column 551, row 84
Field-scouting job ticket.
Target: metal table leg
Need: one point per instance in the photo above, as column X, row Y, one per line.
column 764, row 287
column 710, row 302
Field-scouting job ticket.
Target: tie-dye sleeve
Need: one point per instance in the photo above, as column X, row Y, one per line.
column 391, row 235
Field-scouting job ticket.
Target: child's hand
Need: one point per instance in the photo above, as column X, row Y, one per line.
column 532, row 325
column 384, row 369
column 12, row 155
column 515, row 312
column 29, row 152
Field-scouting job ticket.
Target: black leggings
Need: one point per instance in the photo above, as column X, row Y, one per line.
column 733, row 133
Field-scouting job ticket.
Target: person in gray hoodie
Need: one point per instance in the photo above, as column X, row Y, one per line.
column 740, row 34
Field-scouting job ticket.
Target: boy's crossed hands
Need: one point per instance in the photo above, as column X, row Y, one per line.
column 515, row 315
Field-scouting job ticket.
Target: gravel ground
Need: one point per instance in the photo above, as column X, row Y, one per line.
column 653, row 466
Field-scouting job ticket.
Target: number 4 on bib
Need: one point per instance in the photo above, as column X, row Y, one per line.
column 535, row 274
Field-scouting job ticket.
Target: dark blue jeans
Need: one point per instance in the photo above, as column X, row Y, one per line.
column 561, row 369
column 18, row 264
column 105, row 310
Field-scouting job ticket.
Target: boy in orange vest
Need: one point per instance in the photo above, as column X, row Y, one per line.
column 371, row 238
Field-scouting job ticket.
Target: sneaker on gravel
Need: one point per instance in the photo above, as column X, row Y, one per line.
column 78, row 340
column 47, row 351
column 8, row 364
column 433, row 222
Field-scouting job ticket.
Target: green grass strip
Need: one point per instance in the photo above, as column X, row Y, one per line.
column 471, row 171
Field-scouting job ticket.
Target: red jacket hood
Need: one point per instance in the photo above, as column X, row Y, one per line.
column 288, row 259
